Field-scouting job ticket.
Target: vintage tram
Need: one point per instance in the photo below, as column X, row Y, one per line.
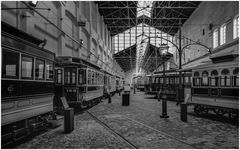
column 141, row 82
column 215, row 86
column 33, row 81
column 80, row 81
column 154, row 83
column 27, row 84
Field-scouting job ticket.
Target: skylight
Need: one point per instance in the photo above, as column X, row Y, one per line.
column 144, row 8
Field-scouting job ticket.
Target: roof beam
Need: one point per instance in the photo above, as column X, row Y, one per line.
column 167, row 7
column 151, row 18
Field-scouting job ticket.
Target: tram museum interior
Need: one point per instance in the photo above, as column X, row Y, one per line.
column 134, row 74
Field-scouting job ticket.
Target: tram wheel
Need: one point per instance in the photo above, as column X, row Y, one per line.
column 233, row 114
column 219, row 111
column 84, row 105
column 200, row 110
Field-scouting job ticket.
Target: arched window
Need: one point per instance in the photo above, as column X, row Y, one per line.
column 235, row 76
column 214, row 78
column 225, row 78
column 196, row 79
column 205, row 78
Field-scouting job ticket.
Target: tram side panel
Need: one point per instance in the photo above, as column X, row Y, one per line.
column 216, row 87
column 27, row 86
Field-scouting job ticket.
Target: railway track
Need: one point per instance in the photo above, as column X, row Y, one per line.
column 112, row 131
column 161, row 132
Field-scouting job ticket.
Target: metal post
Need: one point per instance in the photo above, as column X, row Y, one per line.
column 164, row 97
column 180, row 65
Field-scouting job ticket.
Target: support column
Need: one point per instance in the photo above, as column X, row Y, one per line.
column 180, row 64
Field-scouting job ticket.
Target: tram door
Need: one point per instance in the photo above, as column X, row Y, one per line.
column 70, row 84
column 59, row 89
column 81, row 83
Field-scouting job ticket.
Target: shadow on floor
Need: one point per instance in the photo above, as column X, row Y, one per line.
column 214, row 117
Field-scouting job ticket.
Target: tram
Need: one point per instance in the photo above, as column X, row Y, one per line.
column 27, row 84
column 109, row 84
column 81, row 81
column 154, row 83
column 215, row 87
column 141, row 82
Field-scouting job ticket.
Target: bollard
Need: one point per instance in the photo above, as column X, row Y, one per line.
column 68, row 120
column 119, row 92
column 109, row 98
column 125, row 99
column 184, row 112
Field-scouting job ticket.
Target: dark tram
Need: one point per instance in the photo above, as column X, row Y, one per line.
column 27, row 84
column 154, row 83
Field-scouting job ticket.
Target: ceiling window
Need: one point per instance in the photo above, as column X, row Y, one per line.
column 144, row 8
column 235, row 27
column 223, row 34
column 215, row 38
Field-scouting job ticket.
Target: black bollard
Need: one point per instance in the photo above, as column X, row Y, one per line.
column 119, row 92
column 183, row 112
column 109, row 98
column 68, row 120
column 164, row 107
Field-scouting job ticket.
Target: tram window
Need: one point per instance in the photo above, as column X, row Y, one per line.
column 235, row 77
column 39, row 69
column 225, row 78
column 73, row 76
column 96, row 78
column 89, row 77
column 205, row 78
column 186, row 79
column 156, row 80
column 10, row 64
column 214, row 78
column 92, row 74
column 27, row 67
column 67, row 75
column 161, row 80
column 59, row 76
column 196, row 79
column 49, row 70
column 81, row 76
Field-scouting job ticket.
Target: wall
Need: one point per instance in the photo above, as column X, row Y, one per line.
column 197, row 28
column 66, row 15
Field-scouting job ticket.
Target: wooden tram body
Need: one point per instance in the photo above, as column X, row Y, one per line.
column 119, row 84
column 81, row 81
column 27, row 84
column 141, row 82
column 154, row 83
column 109, row 84
column 215, row 86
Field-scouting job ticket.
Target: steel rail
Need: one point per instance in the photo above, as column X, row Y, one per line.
column 110, row 129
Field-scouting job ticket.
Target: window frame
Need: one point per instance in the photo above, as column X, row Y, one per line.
column 18, row 66
column 215, row 38
column 50, row 62
column 235, row 27
column 207, row 77
column 36, row 68
column 29, row 56
column 215, row 78
column 223, row 34
column 225, row 77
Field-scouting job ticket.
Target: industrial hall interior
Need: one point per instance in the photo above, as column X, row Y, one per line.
column 119, row 74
